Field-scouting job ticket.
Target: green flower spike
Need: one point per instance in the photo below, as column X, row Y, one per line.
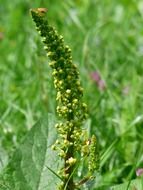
column 93, row 155
column 70, row 106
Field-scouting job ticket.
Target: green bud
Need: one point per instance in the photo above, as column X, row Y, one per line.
column 54, row 73
column 68, row 91
column 62, row 154
column 52, row 63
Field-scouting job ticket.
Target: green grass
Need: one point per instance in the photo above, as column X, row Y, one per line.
column 105, row 36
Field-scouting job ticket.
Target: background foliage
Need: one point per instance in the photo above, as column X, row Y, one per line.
column 106, row 37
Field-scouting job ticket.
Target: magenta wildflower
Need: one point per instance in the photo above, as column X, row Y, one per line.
column 95, row 76
column 139, row 172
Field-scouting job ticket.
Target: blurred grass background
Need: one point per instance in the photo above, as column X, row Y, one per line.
column 105, row 37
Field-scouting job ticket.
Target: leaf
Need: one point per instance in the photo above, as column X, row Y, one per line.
column 136, row 184
column 28, row 168
column 109, row 151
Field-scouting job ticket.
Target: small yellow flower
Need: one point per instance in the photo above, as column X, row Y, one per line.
column 71, row 161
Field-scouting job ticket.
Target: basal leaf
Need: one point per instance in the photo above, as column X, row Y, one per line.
column 136, row 184
column 28, row 168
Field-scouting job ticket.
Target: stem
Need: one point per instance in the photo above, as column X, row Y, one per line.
column 69, row 184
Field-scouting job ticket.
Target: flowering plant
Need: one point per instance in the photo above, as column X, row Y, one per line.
column 72, row 144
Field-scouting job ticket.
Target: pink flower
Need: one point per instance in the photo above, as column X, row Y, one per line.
column 139, row 172
column 95, row 76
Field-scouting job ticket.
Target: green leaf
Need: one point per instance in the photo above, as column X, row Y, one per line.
column 28, row 168
column 136, row 184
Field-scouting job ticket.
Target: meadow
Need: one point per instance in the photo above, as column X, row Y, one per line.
column 106, row 38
